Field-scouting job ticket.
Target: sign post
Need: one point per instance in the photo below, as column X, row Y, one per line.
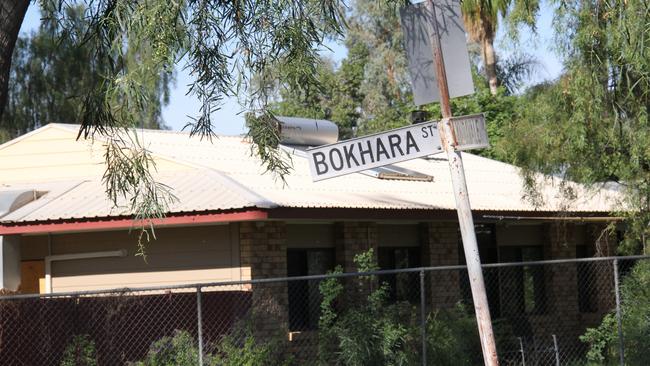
column 465, row 218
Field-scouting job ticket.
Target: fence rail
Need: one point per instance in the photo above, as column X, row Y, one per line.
column 542, row 312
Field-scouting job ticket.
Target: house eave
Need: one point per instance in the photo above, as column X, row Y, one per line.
column 126, row 223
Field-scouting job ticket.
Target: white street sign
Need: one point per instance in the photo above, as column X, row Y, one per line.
column 470, row 132
column 415, row 19
column 401, row 144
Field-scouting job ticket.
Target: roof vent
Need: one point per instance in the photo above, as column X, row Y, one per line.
column 13, row 200
column 307, row 131
column 392, row 172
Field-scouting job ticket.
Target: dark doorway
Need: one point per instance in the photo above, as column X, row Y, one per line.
column 487, row 247
column 304, row 296
column 403, row 286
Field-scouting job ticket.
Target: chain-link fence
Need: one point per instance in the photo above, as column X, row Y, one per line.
column 542, row 314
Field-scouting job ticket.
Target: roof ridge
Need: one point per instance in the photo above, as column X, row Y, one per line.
column 26, row 135
column 67, row 126
column 246, row 193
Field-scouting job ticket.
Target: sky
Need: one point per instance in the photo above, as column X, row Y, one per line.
column 230, row 121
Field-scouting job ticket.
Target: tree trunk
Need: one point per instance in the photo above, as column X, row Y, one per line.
column 489, row 58
column 12, row 13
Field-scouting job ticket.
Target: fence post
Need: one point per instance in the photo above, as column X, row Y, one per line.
column 618, row 314
column 423, row 321
column 521, row 350
column 199, row 324
column 557, row 351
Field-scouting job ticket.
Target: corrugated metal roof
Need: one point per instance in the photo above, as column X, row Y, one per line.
column 194, row 190
column 225, row 175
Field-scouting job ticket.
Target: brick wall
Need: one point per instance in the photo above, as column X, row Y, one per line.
column 441, row 249
column 263, row 247
column 263, row 255
column 563, row 314
column 561, row 283
column 353, row 238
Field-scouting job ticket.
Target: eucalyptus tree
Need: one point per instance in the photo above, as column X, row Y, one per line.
column 338, row 96
column 386, row 89
column 52, row 73
column 12, row 13
column 481, row 18
column 370, row 88
column 592, row 124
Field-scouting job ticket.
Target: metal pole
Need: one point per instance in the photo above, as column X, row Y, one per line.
column 423, row 321
column 465, row 219
column 199, row 323
column 617, row 291
column 557, row 351
column 521, row 350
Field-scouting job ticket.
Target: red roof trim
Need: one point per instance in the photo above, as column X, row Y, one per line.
column 128, row 223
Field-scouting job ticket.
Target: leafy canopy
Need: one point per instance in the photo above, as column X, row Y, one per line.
column 369, row 91
column 52, row 71
column 591, row 125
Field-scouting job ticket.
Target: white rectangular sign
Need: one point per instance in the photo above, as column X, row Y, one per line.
column 416, row 20
column 470, row 132
column 373, row 151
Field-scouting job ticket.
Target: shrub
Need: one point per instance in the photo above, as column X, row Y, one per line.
column 178, row 350
column 452, row 338
column 241, row 349
column 369, row 331
column 80, row 352
column 603, row 340
column 373, row 331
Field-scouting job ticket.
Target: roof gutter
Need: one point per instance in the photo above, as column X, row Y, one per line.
column 556, row 218
column 61, row 226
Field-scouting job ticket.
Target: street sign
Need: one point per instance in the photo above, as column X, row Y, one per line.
column 355, row 155
column 470, row 132
column 415, row 19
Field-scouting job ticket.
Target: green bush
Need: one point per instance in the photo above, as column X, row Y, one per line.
column 369, row 331
column 178, row 350
column 241, row 349
column 603, row 340
column 80, row 352
column 452, row 338
column 372, row 331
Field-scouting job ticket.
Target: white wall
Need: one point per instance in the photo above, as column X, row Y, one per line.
column 181, row 255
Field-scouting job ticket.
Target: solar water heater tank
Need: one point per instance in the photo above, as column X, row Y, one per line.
column 307, row 131
column 13, row 200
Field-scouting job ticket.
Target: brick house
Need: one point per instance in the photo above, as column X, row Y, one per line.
column 58, row 231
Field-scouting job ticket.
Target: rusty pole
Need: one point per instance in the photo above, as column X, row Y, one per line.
column 463, row 208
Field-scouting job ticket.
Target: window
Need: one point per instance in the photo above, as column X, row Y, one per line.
column 586, row 276
column 403, row 286
column 304, row 296
column 523, row 289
